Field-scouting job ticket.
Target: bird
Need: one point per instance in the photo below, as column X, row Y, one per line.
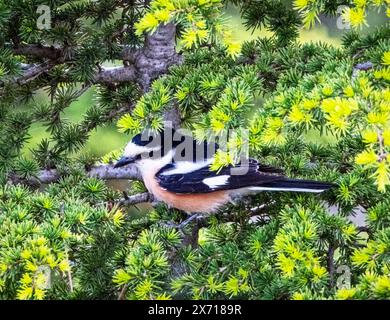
column 175, row 169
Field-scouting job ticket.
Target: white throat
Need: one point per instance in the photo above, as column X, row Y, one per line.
column 152, row 166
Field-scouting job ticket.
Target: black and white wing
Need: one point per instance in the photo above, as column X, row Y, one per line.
column 197, row 177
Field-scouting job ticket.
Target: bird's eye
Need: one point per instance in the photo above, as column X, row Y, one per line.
column 144, row 155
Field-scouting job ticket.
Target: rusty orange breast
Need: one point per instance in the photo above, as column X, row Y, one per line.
column 198, row 202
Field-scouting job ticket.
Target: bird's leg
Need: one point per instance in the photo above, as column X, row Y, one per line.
column 192, row 237
column 188, row 220
column 180, row 226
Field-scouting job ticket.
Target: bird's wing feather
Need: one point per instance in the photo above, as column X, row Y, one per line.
column 203, row 180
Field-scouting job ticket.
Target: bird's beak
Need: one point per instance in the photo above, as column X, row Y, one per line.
column 124, row 161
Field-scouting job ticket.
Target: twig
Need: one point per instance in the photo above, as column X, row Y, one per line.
column 330, row 264
column 364, row 66
column 70, row 280
column 363, row 229
column 382, row 153
column 122, row 294
column 30, row 72
column 134, row 199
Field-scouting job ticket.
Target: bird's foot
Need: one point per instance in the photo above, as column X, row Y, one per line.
column 180, row 226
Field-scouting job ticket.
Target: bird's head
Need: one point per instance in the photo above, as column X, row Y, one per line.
column 146, row 146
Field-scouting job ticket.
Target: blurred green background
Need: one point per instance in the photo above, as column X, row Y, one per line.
column 107, row 138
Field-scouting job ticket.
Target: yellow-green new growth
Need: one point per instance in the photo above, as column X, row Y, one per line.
column 354, row 14
column 201, row 21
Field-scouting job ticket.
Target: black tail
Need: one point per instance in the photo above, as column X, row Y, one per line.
column 295, row 185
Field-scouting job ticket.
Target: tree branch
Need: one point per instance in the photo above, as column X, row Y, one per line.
column 39, row 51
column 127, row 53
column 157, row 54
column 116, row 74
column 30, row 73
column 146, row 63
column 122, row 293
column 330, row 264
column 106, row 172
column 137, row 198
column 173, row 116
column 364, row 66
column 34, row 71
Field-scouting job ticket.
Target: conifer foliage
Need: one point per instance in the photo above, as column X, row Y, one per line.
column 317, row 111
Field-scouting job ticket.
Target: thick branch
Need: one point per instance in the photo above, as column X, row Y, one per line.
column 142, row 65
column 116, row 74
column 38, row 51
column 105, row 75
column 107, row 172
column 157, row 55
column 47, row 176
column 172, row 116
column 127, row 53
